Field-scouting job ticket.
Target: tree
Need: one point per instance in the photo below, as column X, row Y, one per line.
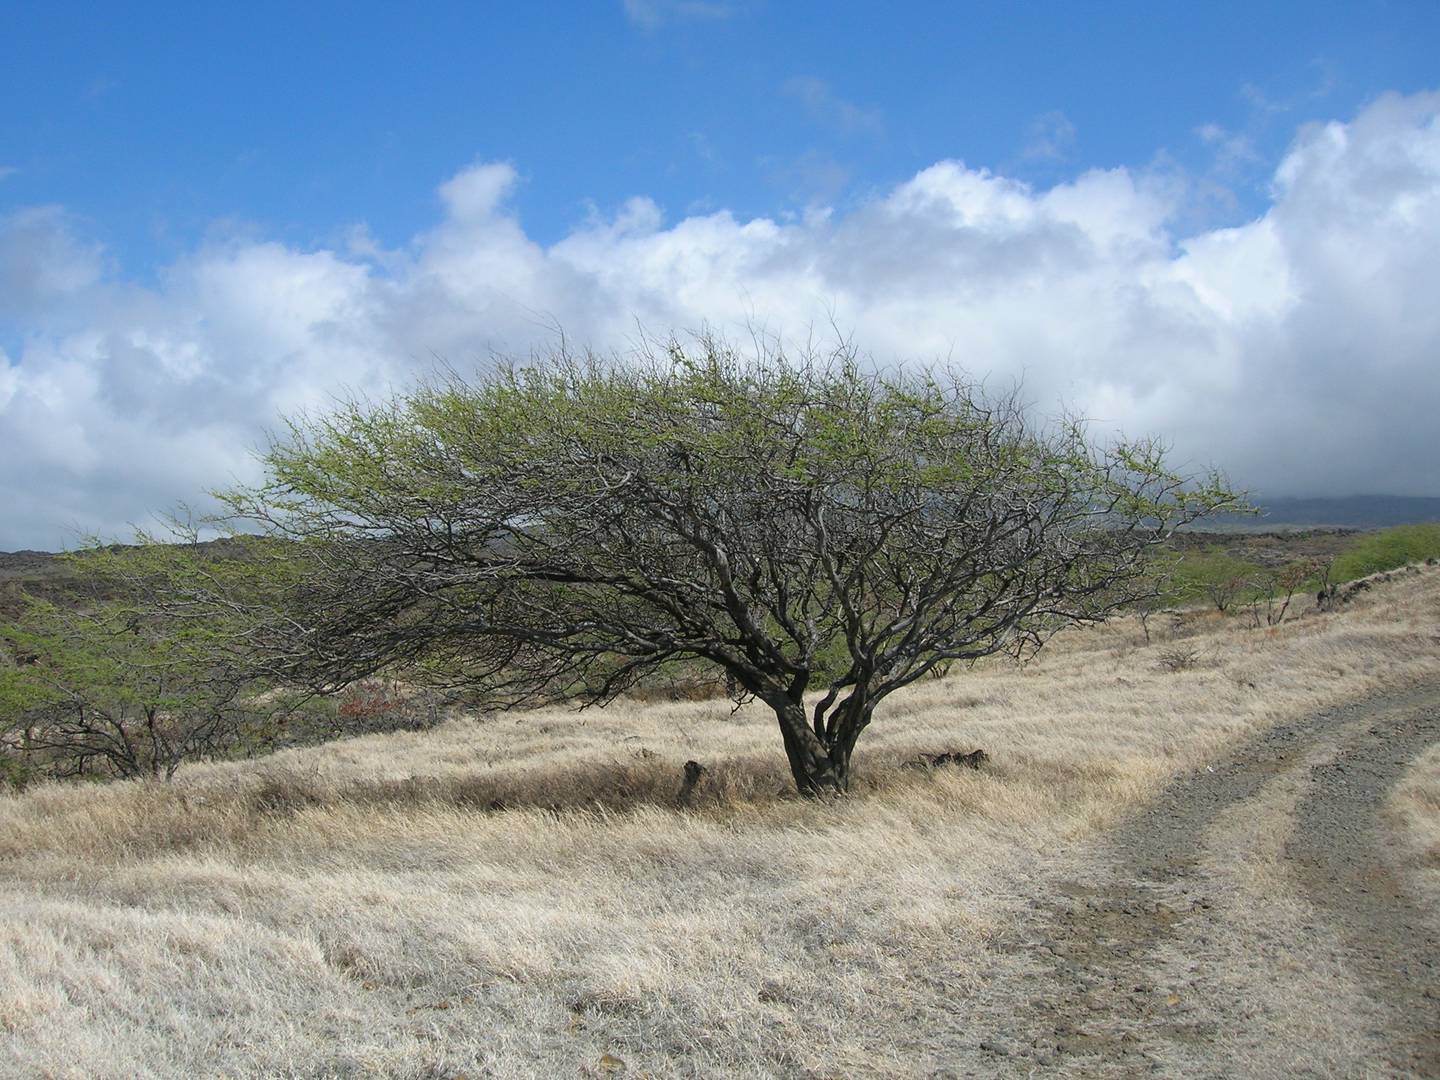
column 1272, row 589
column 129, row 668
column 1159, row 590
column 809, row 526
column 1217, row 576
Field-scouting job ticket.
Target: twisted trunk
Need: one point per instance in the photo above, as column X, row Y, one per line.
column 820, row 765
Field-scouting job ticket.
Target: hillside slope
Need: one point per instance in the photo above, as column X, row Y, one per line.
column 521, row 896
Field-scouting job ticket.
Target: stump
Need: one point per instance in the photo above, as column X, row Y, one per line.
column 693, row 772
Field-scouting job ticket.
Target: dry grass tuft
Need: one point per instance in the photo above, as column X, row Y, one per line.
column 522, row 895
column 1414, row 807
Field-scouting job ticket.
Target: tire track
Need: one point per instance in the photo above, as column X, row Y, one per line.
column 1091, row 1000
column 1336, row 855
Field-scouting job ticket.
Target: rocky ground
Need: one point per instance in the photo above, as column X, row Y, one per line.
column 1247, row 923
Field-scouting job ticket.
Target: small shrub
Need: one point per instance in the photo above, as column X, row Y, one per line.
column 375, row 705
column 1178, row 659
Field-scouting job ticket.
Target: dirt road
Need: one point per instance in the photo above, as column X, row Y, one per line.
column 1247, row 923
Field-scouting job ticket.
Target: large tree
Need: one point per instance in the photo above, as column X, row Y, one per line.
column 824, row 532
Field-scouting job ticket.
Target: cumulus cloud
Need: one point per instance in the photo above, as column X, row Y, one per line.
column 1297, row 350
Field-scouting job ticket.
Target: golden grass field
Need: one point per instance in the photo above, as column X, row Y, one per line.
column 519, row 895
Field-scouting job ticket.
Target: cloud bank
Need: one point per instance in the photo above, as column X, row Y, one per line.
column 1299, row 351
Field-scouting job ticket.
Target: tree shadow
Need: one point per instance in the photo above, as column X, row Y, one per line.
column 643, row 780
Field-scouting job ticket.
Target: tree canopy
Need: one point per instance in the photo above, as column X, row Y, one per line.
column 822, row 531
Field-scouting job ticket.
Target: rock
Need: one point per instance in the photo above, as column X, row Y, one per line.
column 972, row 759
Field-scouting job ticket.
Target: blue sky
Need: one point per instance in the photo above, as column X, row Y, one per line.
column 156, row 122
column 253, row 206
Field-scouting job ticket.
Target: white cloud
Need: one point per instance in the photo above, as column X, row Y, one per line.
column 703, row 147
column 1297, row 350
column 101, row 86
column 42, row 263
column 812, row 178
column 476, row 193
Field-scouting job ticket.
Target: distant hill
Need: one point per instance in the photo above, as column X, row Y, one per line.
column 34, row 572
column 50, row 576
column 27, row 563
column 1349, row 512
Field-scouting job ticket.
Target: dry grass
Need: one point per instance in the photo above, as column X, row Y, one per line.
column 520, row 896
column 1267, row 964
column 1414, row 808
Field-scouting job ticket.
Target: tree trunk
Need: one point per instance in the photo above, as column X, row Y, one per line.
column 841, row 742
column 816, row 770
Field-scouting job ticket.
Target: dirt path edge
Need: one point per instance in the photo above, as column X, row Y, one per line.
column 1090, row 1003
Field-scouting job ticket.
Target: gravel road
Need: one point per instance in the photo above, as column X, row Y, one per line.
column 1246, row 923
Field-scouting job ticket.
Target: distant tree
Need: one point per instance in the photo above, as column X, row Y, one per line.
column 1223, row 592
column 808, row 526
column 1273, row 588
column 1216, row 576
column 1159, row 589
column 123, row 671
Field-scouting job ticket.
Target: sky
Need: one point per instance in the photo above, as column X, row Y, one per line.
column 1215, row 223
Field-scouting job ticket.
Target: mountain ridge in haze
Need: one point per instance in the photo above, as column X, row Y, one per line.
column 1348, row 512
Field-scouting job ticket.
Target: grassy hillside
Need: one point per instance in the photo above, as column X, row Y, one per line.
column 1380, row 551
column 522, row 895
column 1240, row 569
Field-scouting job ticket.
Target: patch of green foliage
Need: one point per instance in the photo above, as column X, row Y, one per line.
column 138, row 658
column 124, row 672
column 1212, row 576
column 1220, row 578
column 1387, row 549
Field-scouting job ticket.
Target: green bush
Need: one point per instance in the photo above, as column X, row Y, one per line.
column 1214, row 577
column 129, row 670
column 1386, row 550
